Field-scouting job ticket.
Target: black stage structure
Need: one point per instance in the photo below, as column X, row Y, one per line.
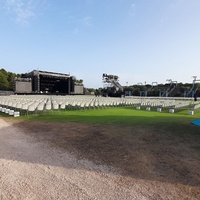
column 44, row 82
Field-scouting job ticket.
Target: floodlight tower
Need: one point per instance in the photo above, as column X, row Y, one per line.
column 169, row 80
column 142, row 93
column 193, row 82
column 175, row 82
column 193, row 86
column 194, row 78
column 154, row 83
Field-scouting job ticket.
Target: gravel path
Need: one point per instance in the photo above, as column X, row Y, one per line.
column 33, row 169
column 30, row 170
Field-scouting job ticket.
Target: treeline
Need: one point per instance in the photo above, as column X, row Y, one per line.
column 7, row 79
column 179, row 90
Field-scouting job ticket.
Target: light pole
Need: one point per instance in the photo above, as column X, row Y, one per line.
column 194, row 77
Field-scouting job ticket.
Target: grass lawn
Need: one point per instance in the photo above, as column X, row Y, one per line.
column 120, row 116
column 124, row 115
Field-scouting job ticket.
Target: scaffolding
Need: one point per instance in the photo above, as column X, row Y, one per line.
column 110, row 80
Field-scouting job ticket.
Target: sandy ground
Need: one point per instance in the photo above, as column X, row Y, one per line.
column 74, row 161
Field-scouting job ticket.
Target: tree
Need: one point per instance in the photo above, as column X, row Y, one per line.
column 10, row 78
column 7, row 79
column 79, row 81
column 4, row 85
column 3, row 71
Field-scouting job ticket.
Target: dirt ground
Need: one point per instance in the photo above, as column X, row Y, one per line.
column 80, row 161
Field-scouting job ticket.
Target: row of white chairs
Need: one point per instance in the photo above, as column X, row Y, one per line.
column 40, row 103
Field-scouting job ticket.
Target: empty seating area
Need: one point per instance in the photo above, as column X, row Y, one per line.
column 16, row 105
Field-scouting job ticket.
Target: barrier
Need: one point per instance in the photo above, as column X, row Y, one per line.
column 3, row 110
column 159, row 109
column 138, row 108
column 7, row 111
column 16, row 114
column 171, row 110
column 11, row 112
column 148, row 108
column 191, row 112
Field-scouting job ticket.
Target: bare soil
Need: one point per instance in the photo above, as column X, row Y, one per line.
column 132, row 161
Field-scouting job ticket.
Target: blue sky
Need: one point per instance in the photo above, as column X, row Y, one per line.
column 138, row 40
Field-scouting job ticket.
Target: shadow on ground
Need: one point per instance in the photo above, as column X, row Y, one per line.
column 161, row 153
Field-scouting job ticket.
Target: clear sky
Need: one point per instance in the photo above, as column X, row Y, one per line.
column 138, row 40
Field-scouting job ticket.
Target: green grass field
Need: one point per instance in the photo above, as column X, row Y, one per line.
column 123, row 116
